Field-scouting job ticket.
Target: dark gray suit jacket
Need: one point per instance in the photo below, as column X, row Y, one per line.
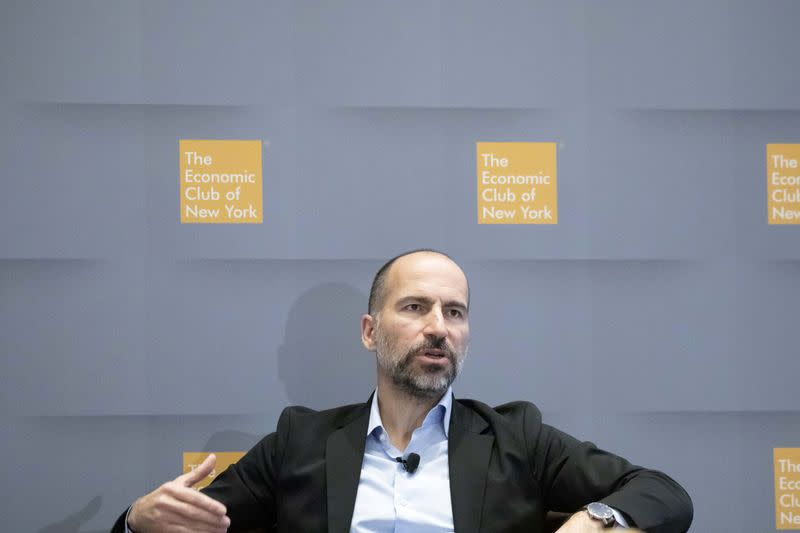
column 507, row 470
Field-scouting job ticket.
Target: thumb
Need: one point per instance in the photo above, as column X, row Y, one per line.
column 190, row 478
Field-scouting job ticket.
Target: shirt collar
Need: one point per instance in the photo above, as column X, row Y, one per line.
column 444, row 407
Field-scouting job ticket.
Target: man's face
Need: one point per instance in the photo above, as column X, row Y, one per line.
column 421, row 332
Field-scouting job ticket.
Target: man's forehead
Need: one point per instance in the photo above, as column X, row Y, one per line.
column 427, row 270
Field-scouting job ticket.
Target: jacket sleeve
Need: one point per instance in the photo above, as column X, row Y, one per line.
column 248, row 488
column 572, row 473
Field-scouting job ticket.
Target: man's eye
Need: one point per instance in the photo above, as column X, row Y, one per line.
column 456, row 313
column 413, row 307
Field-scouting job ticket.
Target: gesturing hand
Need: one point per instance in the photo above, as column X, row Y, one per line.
column 175, row 507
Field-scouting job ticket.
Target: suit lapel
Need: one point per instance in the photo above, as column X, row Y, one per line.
column 469, row 452
column 344, row 453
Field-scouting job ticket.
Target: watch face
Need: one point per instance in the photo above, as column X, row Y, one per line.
column 600, row 510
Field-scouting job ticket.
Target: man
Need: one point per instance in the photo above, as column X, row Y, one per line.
column 414, row 458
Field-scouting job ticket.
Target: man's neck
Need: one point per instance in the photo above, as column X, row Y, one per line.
column 402, row 413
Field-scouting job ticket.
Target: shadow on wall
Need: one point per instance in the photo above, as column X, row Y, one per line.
column 72, row 523
column 322, row 362
column 229, row 440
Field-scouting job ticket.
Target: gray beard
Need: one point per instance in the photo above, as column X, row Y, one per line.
column 419, row 382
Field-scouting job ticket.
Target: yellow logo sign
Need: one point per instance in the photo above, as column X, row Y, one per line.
column 787, row 488
column 192, row 460
column 517, row 183
column 220, row 182
column 783, row 183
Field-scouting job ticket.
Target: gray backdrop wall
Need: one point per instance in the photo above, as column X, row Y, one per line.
column 127, row 338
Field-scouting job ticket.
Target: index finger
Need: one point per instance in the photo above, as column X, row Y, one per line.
column 190, row 478
column 200, row 500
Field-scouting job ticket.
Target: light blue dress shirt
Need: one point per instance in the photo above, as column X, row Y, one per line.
column 389, row 499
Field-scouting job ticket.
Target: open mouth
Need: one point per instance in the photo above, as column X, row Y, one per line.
column 433, row 355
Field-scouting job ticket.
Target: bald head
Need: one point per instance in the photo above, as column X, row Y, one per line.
column 380, row 284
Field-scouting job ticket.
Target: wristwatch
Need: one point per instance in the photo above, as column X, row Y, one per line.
column 602, row 512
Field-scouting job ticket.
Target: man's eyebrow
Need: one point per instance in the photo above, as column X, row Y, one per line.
column 412, row 298
column 456, row 303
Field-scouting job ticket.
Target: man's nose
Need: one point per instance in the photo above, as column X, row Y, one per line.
column 435, row 325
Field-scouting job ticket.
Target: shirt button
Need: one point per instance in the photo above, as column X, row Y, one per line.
column 402, row 502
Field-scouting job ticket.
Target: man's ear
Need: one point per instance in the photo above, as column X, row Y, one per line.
column 368, row 332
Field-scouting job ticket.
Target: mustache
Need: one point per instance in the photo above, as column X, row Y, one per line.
column 434, row 344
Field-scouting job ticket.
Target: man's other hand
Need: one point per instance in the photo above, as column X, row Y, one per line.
column 175, row 507
column 581, row 522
